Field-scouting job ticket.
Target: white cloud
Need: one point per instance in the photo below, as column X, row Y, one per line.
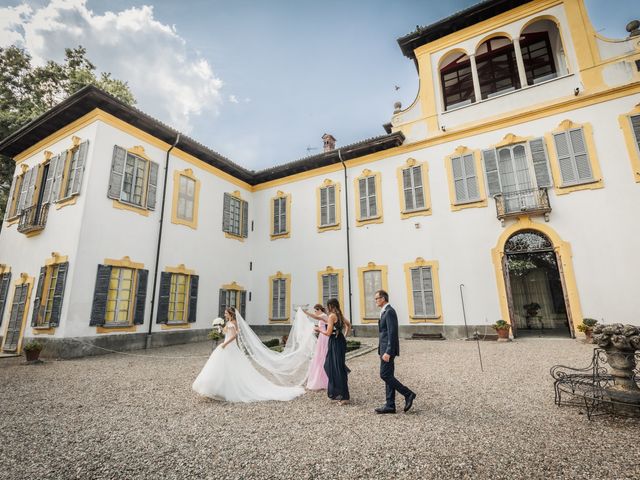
column 168, row 80
column 233, row 99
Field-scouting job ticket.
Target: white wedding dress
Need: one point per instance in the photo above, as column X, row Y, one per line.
column 230, row 373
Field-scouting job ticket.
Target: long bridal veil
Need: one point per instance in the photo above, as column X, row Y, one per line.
column 288, row 367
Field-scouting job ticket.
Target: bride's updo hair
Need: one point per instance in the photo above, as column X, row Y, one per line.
column 318, row 306
column 333, row 305
column 231, row 311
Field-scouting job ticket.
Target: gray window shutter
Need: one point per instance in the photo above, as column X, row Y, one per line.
column 362, row 193
column 471, row 178
column 163, row 297
column 408, row 189
column 245, row 219
column 99, row 307
column 31, row 197
column 459, row 183
column 193, row 297
column 48, row 182
column 243, row 304
column 77, row 174
column 427, row 286
column 22, row 197
column 540, row 162
column 5, row 281
column 416, row 287
column 37, row 311
column 635, row 126
column 324, row 206
column 283, row 215
column 276, row 216
column 58, row 173
column 580, row 155
column 491, row 170
column 564, row 158
column 152, row 188
column 58, row 294
column 117, row 172
column 226, row 213
column 10, row 201
column 373, row 199
column 325, row 289
column 222, row 298
column 331, row 206
column 141, row 297
column 418, row 186
column 275, row 300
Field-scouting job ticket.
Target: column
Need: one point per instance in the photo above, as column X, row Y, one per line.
column 474, row 74
column 520, row 62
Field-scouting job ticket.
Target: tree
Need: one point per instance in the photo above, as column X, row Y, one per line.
column 26, row 92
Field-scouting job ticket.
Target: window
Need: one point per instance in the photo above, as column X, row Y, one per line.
column 573, row 157
column 232, row 295
column 47, row 306
column 457, row 81
column 72, row 164
column 133, row 179
column 371, row 278
column 279, row 297
column 537, row 57
column 328, row 206
column 280, row 216
column 186, row 192
column 423, row 290
column 369, row 205
column 465, row 180
column 497, row 68
column 5, row 280
column 178, row 297
column 330, row 285
column 235, row 215
column 19, row 306
column 630, row 125
column 120, row 294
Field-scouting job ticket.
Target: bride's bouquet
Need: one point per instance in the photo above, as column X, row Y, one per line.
column 216, row 333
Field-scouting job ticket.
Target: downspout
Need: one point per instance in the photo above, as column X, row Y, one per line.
column 346, row 208
column 155, row 271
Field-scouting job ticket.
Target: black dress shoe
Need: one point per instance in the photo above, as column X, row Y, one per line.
column 385, row 410
column 408, row 403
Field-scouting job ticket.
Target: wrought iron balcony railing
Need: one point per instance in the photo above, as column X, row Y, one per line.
column 33, row 218
column 534, row 201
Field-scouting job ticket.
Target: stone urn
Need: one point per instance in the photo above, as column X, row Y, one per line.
column 621, row 343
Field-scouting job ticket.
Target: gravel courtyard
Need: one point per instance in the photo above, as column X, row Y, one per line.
column 128, row 417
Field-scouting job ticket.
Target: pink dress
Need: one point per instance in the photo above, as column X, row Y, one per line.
column 317, row 378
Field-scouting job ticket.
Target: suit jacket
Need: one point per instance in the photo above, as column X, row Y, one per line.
column 388, row 333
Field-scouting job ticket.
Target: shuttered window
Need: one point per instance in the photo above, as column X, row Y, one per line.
column 368, row 197
column 372, row 281
column 465, row 180
column 186, row 198
column 413, row 188
column 133, row 179
column 232, row 298
column 178, row 298
column 5, row 280
column 16, row 317
column 74, row 169
column 330, row 287
column 235, row 216
column 279, row 216
column 47, row 306
column 422, row 290
column 11, row 209
column 279, row 299
column 635, row 126
column 119, row 297
column 573, row 158
column 328, row 206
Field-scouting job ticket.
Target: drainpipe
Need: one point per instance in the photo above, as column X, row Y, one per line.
column 155, row 272
column 346, row 204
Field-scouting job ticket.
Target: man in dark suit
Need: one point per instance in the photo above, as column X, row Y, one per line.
column 388, row 349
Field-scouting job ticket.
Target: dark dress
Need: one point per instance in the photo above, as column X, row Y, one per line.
column 335, row 366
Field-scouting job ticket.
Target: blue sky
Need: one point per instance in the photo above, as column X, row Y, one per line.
column 259, row 82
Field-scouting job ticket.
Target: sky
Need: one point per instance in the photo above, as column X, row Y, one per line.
column 259, row 82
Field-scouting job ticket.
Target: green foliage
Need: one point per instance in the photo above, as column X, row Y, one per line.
column 353, row 345
column 32, row 345
column 277, row 348
column 274, row 342
column 587, row 324
column 501, row 325
column 214, row 335
column 27, row 91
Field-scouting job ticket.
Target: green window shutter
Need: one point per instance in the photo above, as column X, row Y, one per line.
column 117, row 172
column 193, row 297
column 459, row 181
column 226, row 213
column 141, row 297
column 99, row 306
column 540, row 162
column 243, row 304
column 222, row 297
column 76, row 184
column 491, row 170
column 37, row 310
column 58, row 294
column 245, row 219
column 152, row 188
column 324, row 206
column 163, row 297
column 5, row 281
column 10, row 201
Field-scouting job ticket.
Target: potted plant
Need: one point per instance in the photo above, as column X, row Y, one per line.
column 532, row 309
column 502, row 327
column 586, row 327
column 32, row 350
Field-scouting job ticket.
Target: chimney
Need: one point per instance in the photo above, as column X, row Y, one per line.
column 329, row 142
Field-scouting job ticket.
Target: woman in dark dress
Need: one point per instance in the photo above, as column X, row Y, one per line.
column 335, row 367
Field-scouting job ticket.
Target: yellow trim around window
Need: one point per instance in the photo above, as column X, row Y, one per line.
column 477, row 161
column 22, row 280
column 233, row 286
column 587, row 131
column 371, row 266
column 331, row 271
column 426, row 189
column 124, row 328
column 435, row 281
column 630, row 140
column 379, row 218
column 287, row 278
column 287, row 233
column 328, row 183
column 43, row 331
column 131, row 208
column 180, row 269
column 188, row 173
column 240, row 238
column 55, row 259
column 65, row 203
column 4, row 268
column 124, row 262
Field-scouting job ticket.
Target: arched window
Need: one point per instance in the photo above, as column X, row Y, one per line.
column 497, row 67
column 542, row 52
column 457, row 80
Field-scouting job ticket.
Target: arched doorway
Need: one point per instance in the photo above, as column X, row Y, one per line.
column 535, row 288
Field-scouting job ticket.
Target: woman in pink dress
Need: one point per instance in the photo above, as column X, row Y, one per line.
column 317, row 378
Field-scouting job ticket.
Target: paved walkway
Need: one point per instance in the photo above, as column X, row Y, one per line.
column 129, row 417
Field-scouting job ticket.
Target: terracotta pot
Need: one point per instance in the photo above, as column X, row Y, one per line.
column 503, row 333
column 588, row 333
column 32, row 355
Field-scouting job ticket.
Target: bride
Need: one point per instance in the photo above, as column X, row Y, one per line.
column 242, row 369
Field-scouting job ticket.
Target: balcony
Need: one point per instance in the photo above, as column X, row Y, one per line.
column 533, row 201
column 33, row 219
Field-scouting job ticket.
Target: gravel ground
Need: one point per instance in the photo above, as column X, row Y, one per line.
column 128, row 417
